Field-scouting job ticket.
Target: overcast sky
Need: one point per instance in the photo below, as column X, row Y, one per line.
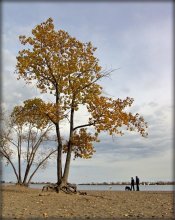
column 134, row 38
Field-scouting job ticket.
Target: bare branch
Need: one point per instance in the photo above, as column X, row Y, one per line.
column 40, row 165
column 82, row 126
column 10, row 161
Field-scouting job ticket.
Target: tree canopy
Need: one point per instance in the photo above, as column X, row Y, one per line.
column 68, row 69
column 27, row 136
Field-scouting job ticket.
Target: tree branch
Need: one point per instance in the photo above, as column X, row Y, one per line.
column 82, row 126
column 100, row 77
column 9, row 160
column 40, row 165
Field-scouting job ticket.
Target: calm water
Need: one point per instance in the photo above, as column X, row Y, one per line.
column 116, row 187
column 112, row 187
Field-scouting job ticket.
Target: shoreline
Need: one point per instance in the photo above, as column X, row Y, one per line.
column 99, row 184
column 145, row 188
column 21, row 202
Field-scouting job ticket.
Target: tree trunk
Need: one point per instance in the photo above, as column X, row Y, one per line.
column 19, row 170
column 59, row 155
column 17, row 177
column 68, row 157
column 59, row 147
column 29, row 164
column 39, row 167
column 19, row 161
column 26, row 174
column 67, row 164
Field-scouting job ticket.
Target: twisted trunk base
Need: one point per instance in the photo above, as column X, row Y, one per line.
column 67, row 188
column 22, row 184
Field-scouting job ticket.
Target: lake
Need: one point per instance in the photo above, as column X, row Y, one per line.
column 111, row 187
column 116, row 187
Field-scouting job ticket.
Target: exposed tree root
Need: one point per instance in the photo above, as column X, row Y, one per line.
column 49, row 186
column 67, row 188
column 22, row 184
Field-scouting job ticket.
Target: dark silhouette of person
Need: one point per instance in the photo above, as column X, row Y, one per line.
column 137, row 183
column 132, row 184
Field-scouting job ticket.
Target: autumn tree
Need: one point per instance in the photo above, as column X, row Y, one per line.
column 26, row 137
column 67, row 68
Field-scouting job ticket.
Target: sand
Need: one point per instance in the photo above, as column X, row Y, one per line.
column 24, row 203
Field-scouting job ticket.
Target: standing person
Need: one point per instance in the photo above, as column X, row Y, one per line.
column 132, row 184
column 137, row 183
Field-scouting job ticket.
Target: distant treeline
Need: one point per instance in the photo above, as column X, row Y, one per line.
column 111, row 183
column 128, row 183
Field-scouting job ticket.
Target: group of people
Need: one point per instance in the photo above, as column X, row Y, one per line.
column 137, row 181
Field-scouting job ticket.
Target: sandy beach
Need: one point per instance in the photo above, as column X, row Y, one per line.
column 24, row 203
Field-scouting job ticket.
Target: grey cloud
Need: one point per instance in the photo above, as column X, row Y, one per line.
column 132, row 145
column 15, row 92
column 137, row 38
column 153, row 104
column 125, row 90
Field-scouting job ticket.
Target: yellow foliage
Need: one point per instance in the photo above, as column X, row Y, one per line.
column 82, row 144
column 67, row 68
